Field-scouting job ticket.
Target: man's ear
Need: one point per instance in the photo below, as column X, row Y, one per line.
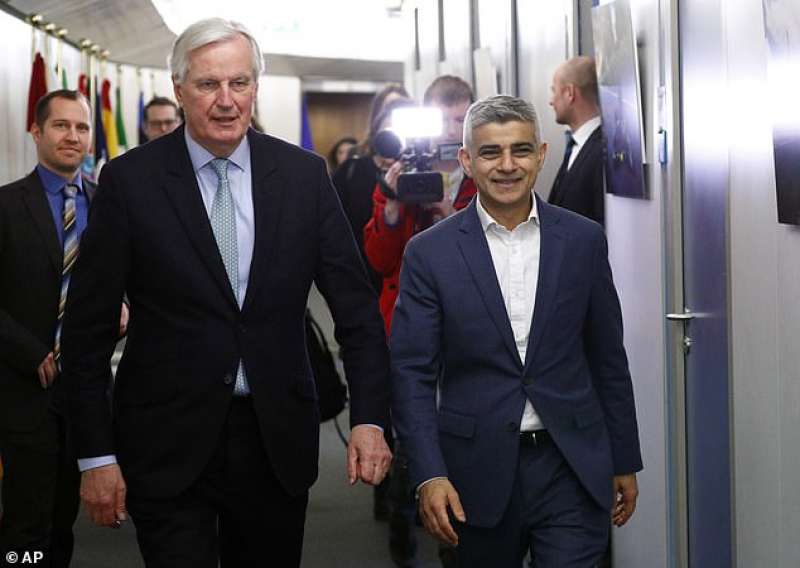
column 176, row 88
column 465, row 160
column 36, row 132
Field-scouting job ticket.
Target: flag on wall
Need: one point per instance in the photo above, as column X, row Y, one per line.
column 305, row 134
column 51, row 75
column 37, row 88
column 109, row 123
column 140, row 121
column 121, row 137
column 83, row 85
column 100, row 148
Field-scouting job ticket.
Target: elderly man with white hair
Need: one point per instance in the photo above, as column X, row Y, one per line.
column 216, row 233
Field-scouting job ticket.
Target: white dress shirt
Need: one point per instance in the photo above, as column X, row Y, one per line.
column 581, row 135
column 515, row 255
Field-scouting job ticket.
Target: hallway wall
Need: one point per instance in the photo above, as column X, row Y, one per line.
column 765, row 316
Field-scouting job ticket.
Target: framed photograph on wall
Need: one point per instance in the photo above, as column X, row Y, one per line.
column 782, row 29
column 620, row 99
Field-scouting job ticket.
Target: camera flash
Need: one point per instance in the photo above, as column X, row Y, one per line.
column 417, row 122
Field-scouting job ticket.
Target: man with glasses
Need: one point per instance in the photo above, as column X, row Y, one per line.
column 161, row 117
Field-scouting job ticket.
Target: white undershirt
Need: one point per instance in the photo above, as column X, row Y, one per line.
column 515, row 255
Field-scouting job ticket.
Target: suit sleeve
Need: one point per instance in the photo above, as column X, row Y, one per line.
column 416, row 344
column 19, row 348
column 91, row 323
column 342, row 279
column 609, row 365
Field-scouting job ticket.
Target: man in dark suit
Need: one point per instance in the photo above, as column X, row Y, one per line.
column 580, row 183
column 510, row 380
column 216, row 233
column 42, row 217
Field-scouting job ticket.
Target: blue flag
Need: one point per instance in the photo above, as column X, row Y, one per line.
column 140, row 120
column 305, row 134
column 100, row 147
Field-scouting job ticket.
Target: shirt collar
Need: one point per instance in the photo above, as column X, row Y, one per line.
column 54, row 183
column 487, row 221
column 201, row 157
column 582, row 133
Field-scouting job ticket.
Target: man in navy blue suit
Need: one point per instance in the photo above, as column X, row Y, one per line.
column 511, row 385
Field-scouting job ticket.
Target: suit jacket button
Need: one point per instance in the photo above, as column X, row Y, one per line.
column 242, row 328
column 228, row 379
column 512, row 427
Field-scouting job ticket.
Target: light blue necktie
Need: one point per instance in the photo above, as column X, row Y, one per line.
column 223, row 223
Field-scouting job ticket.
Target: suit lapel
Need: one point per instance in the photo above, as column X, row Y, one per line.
column 551, row 255
column 182, row 189
column 586, row 149
column 39, row 208
column 267, row 187
column 476, row 253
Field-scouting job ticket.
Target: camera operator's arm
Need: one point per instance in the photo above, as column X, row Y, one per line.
column 384, row 242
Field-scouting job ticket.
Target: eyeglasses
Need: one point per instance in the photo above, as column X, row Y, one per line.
column 167, row 123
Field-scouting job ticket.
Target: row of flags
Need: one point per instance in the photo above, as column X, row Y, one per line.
column 110, row 138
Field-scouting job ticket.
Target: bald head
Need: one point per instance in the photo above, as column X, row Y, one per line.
column 581, row 72
column 574, row 95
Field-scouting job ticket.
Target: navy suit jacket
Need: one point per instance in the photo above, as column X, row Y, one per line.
column 149, row 235
column 451, row 329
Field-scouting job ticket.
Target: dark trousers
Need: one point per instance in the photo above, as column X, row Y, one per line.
column 550, row 514
column 236, row 514
column 41, row 485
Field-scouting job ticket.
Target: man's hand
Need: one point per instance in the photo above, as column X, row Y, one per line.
column 368, row 456
column 124, row 314
column 435, row 497
column 103, row 495
column 626, row 491
column 391, row 210
column 47, row 371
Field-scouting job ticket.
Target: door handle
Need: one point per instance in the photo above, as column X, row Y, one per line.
column 686, row 316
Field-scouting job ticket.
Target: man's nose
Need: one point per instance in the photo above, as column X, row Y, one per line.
column 507, row 162
column 224, row 96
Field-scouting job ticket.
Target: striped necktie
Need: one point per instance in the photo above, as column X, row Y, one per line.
column 70, row 254
column 223, row 223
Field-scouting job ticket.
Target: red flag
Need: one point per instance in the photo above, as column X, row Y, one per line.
column 37, row 89
column 83, row 85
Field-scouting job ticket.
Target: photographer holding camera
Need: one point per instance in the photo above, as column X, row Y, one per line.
column 394, row 222
column 405, row 203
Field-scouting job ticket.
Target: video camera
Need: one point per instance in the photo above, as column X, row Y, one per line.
column 410, row 139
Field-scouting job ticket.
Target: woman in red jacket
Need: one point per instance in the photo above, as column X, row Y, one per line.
column 394, row 223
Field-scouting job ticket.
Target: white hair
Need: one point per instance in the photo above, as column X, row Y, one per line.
column 500, row 109
column 204, row 32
